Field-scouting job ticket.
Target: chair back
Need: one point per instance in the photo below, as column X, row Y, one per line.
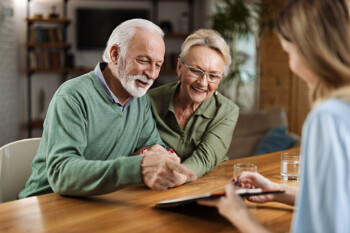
column 15, row 166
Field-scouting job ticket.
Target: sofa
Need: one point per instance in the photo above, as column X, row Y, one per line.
column 261, row 132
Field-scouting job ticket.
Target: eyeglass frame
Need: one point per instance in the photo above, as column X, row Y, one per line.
column 203, row 73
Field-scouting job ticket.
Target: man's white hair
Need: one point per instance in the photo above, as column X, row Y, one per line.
column 124, row 32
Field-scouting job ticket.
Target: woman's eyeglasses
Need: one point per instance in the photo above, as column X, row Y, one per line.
column 198, row 73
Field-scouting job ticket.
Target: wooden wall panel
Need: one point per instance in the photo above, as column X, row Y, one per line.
column 279, row 87
column 300, row 105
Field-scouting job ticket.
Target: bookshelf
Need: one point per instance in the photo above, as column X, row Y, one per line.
column 48, row 48
column 180, row 31
column 47, row 51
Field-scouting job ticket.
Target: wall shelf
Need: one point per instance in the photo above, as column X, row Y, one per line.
column 48, row 20
column 35, row 124
column 47, row 45
column 47, row 50
column 61, row 70
column 41, row 46
column 176, row 35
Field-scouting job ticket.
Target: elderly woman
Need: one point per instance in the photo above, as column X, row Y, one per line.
column 193, row 119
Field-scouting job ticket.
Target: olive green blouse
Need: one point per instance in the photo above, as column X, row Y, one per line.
column 203, row 143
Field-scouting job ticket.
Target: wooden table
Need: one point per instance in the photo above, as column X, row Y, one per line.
column 132, row 209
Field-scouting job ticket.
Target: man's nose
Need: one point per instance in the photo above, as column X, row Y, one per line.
column 152, row 72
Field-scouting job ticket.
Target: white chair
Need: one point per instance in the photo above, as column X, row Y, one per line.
column 15, row 166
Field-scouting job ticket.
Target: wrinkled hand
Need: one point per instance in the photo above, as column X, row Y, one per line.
column 160, row 171
column 255, row 180
column 155, row 149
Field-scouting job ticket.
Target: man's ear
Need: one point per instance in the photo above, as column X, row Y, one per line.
column 114, row 52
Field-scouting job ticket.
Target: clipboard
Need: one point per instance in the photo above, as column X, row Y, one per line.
column 193, row 199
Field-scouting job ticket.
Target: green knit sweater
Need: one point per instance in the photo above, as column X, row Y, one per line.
column 87, row 142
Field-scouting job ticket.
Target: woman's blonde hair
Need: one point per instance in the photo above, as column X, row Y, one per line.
column 208, row 38
column 320, row 29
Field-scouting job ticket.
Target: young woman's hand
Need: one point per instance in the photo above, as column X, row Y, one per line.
column 232, row 207
column 255, row 180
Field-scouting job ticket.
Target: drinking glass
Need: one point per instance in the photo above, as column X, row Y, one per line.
column 290, row 166
column 241, row 167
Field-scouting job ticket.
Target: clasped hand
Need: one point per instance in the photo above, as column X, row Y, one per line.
column 162, row 169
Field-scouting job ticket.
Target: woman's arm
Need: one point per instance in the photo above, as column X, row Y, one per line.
column 233, row 208
column 215, row 141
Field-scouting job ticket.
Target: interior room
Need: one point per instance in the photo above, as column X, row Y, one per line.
column 96, row 180
column 27, row 84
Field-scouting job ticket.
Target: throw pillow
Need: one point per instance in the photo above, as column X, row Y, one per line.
column 274, row 140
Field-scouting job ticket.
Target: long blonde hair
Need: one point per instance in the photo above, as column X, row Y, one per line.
column 320, row 29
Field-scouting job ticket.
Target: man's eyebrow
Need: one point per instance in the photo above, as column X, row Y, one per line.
column 143, row 56
column 149, row 59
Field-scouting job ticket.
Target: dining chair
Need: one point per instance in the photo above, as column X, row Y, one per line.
column 15, row 166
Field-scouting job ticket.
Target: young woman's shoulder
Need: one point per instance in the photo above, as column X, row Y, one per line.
column 330, row 113
column 334, row 106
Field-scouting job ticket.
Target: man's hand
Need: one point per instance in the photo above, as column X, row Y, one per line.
column 160, row 171
column 157, row 149
column 154, row 148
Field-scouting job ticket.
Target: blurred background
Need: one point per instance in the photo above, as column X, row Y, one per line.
column 46, row 42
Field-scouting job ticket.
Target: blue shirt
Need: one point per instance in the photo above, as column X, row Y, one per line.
column 98, row 73
column 323, row 204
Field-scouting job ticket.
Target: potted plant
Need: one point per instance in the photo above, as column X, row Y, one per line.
column 240, row 20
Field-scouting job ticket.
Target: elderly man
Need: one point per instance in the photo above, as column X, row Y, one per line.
column 98, row 123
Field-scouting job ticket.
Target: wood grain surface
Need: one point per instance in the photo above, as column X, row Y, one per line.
column 131, row 209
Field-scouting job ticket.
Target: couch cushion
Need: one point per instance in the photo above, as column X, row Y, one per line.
column 261, row 121
column 274, row 140
column 251, row 128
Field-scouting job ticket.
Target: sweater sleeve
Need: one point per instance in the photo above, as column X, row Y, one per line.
column 68, row 172
column 214, row 144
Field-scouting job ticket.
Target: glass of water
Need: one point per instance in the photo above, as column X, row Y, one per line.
column 290, row 166
column 238, row 168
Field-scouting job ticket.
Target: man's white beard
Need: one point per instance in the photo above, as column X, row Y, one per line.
column 128, row 81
